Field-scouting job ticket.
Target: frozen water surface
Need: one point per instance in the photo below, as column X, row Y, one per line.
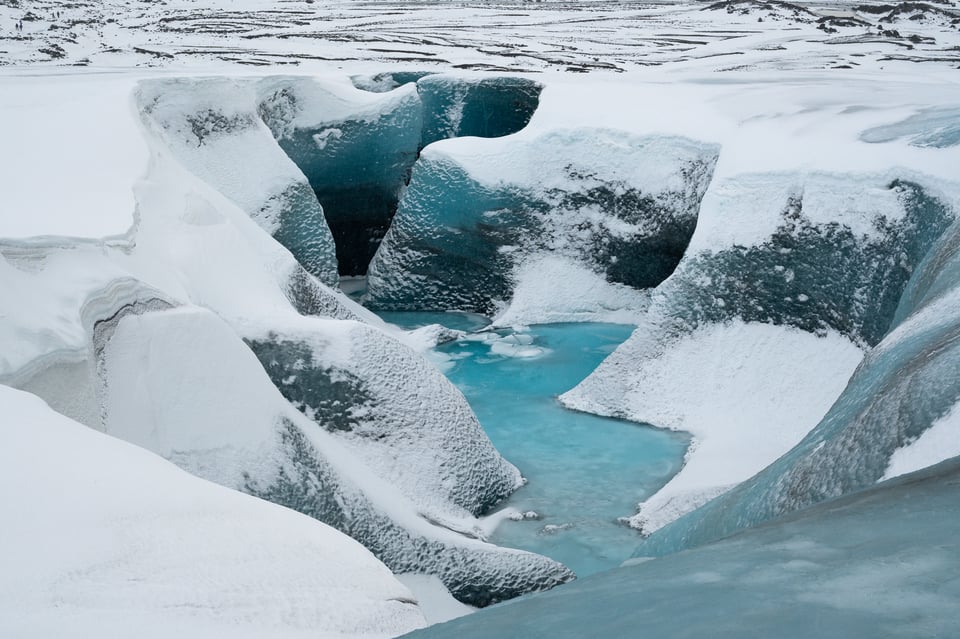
column 583, row 471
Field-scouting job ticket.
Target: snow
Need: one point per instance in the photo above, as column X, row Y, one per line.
column 154, row 551
column 434, row 600
column 747, row 392
column 939, row 442
column 550, row 289
column 78, row 149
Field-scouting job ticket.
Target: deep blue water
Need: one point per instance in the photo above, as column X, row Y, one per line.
column 583, row 471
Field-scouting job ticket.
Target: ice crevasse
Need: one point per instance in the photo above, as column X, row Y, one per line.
column 120, row 335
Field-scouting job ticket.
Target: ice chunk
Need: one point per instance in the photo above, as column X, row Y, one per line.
column 156, row 552
column 879, row 563
column 182, row 384
column 619, row 205
column 905, row 385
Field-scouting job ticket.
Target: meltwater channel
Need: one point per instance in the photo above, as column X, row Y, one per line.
column 583, row 471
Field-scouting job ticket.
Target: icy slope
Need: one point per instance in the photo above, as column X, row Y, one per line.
column 110, row 540
column 901, row 396
column 879, row 563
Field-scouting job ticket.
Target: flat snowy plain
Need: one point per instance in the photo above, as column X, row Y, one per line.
column 788, row 93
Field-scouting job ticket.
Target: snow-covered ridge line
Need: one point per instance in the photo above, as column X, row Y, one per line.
column 501, row 36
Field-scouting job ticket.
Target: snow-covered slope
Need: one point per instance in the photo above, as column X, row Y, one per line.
column 899, row 400
column 107, row 539
column 502, row 36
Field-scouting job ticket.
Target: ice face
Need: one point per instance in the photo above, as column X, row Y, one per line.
column 622, row 206
column 358, row 162
column 221, row 418
column 754, row 336
column 879, row 563
column 817, row 275
column 487, row 108
column 438, row 457
column 357, row 158
column 905, row 385
column 208, row 125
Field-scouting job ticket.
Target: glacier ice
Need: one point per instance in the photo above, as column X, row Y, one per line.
column 180, row 383
column 90, row 331
column 788, row 302
column 904, row 385
column 456, row 107
column 621, row 205
column 356, row 149
column 208, row 124
column 371, row 392
column 109, row 539
column 879, row 563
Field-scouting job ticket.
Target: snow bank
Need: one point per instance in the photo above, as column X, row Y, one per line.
column 154, row 551
column 746, row 392
column 78, row 149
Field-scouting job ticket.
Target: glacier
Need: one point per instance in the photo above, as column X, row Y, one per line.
column 201, row 275
column 475, row 211
column 763, row 194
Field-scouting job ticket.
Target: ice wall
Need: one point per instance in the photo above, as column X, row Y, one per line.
column 787, row 279
column 477, row 211
column 356, row 149
column 456, row 107
column 905, row 385
column 212, row 126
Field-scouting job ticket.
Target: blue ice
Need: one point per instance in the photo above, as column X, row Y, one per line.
column 882, row 563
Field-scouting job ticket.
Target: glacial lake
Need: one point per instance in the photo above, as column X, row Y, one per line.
column 583, row 471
